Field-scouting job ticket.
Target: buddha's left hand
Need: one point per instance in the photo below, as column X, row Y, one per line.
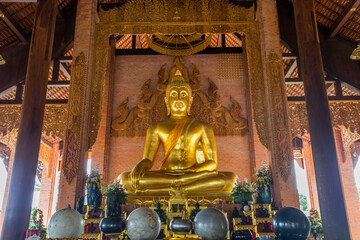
column 208, row 165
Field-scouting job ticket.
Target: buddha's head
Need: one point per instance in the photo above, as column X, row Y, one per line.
column 178, row 97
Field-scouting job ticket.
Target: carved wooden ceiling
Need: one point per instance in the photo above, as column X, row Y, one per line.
column 340, row 17
column 295, row 87
column 17, row 20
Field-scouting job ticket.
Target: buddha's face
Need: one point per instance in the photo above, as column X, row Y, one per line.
column 178, row 102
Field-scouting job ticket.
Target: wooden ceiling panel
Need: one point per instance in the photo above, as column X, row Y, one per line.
column 25, row 17
column 63, row 4
column 327, row 12
column 295, row 90
column 21, row 9
column 8, row 94
column 57, row 93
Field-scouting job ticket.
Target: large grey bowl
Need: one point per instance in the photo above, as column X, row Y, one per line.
column 266, row 238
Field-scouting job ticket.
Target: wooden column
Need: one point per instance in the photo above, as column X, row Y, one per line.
column 331, row 199
column 21, row 189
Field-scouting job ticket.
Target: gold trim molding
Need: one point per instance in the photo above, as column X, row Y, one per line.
column 74, row 128
column 206, row 107
column 281, row 149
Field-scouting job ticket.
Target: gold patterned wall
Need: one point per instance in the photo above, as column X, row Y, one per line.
column 54, row 122
column 231, row 67
column 344, row 115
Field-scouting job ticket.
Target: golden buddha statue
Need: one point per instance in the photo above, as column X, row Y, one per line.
column 183, row 138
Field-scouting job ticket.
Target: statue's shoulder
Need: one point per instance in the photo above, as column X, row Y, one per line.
column 201, row 124
column 159, row 125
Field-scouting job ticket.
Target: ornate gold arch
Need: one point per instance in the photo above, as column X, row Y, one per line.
column 202, row 16
column 176, row 17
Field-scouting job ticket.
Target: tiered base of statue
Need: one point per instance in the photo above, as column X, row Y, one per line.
column 178, row 217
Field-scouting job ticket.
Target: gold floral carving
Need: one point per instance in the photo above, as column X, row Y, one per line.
column 282, row 151
column 348, row 137
column 256, row 82
column 299, row 124
column 71, row 155
column 45, row 153
column 10, row 118
column 101, row 59
column 54, row 122
column 206, row 107
column 45, row 156
column 9, row 139
column 344, row 115
column 177, row 11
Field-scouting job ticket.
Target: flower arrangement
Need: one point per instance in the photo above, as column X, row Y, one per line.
column 94, row 179
column 115, row 188
column 263, row 175
column 242, row 187
column 36, row 222
column 316, row 224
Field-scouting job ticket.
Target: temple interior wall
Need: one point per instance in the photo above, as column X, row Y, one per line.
column 226, row 71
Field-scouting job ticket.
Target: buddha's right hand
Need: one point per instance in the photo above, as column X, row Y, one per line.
column 138, row 172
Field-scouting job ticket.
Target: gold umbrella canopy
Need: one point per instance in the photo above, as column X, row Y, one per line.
column 355, row 55
column 178, row 44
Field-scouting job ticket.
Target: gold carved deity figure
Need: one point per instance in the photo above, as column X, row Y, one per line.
column 182, row 138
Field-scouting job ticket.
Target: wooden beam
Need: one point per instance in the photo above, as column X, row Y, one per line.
column 19, row 93
column 340, row 22
column 21, row 189
column 48, row 101
column 55, row 70
column 335, row 51
column 24, row 1
column 293, row 81
column 65, row 28
column 327, row 172
column 289, row 56
column 58, row 83
column 133, row 42
column 223, row 40
column 338, row 89
column 13, row 25
column 330, row 98
column 149, row 51
column 16, row 55
column 65, row 59
column 300, row 81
